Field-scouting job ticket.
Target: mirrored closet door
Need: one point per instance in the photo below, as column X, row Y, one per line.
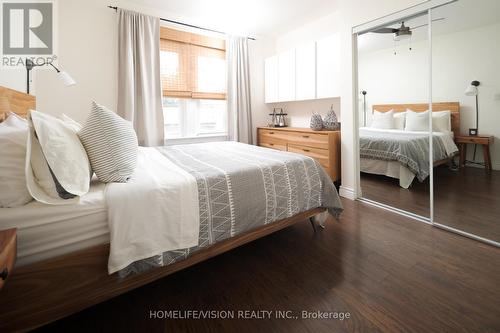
column 394, row 95
column 466, row 73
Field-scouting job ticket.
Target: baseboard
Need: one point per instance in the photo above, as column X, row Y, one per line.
column 347, row 192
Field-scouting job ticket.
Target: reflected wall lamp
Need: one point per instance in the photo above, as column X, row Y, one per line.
column 65, row 78
column 473, row 91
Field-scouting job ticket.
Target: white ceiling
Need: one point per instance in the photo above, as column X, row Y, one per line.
column 245, row 17
column 459, row 16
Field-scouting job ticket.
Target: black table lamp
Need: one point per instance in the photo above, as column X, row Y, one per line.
column 473, row 91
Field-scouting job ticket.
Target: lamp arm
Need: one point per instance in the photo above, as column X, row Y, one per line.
column 57, row 69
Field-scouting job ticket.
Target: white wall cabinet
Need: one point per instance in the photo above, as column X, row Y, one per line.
column 328, row 67
column 305, row 72
column 271, row 79
column 310, row 71
column 286, row 76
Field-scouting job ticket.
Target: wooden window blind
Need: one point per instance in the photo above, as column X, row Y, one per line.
column 192, row 66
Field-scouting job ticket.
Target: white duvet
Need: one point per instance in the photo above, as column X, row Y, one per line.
column 155, row 212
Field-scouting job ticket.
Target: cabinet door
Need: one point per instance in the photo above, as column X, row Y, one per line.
column 305, row 72
column 271, row 79
column 286, row 76
column 328, row 67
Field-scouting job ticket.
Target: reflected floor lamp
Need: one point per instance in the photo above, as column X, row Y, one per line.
column 66, row 79
column 364, row 107
column 473, row 91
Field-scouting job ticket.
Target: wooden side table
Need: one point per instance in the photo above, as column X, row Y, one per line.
column 8, row 251
column 484, row 140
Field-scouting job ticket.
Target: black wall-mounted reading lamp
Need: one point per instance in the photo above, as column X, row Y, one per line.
column 66, row 79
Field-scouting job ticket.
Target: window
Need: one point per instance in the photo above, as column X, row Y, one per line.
column 192, row 117
column 193, row 74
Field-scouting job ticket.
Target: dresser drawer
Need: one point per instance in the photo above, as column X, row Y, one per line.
column 267, row 136
column 314, row 140
column 320, row 155
column 277, row 146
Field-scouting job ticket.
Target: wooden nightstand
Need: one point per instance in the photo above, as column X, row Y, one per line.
column 8, row 251
column 484, row 140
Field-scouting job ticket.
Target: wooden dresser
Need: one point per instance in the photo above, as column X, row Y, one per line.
column 324, row 146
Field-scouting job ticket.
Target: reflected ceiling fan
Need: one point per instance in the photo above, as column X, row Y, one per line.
column 403, row 32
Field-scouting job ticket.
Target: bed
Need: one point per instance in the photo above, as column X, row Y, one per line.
column 404, row 154
column 64, row 250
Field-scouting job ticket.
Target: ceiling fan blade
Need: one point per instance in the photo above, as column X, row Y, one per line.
column 423, row 25
column 385, row 31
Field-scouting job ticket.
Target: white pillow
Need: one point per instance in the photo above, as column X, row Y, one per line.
column 73, row 124
column 441, row 121
column 417, row 121
column 13, row 136
column 59, row 166
column 383, row 120
column 399, row 120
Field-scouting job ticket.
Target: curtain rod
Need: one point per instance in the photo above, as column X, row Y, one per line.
column 187, row 24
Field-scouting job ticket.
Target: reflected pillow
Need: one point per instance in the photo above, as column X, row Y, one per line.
column 383, row 120
column 399, row 120
column 441, row 121
column 417, row 121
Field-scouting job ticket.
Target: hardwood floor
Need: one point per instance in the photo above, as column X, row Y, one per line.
column 390, row 273
column 386, row 190
column 467, row 199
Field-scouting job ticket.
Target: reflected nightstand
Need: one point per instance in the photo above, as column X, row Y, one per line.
column 484, row 140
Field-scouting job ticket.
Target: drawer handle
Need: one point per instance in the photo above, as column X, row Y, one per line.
column 306, row 150
column 4, row 274
column 271, row 144
column 271, row 132
column 305, row 136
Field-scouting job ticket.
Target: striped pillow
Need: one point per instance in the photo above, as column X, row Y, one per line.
column 111, row 144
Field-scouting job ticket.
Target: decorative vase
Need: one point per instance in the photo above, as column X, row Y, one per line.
column 331, row 122
column 316, row 122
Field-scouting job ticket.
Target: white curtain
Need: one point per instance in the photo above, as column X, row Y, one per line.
column 139, row 83
column 238, row 90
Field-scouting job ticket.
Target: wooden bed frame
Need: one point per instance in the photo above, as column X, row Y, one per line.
column 43, row 292
column 15, row 101
column 453, row 107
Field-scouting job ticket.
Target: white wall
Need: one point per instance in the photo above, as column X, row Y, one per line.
column 87, row 51
column 13, row 79
column 259, row 50
column 403, row 78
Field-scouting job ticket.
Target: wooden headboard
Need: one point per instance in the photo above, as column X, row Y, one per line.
column 453, row 107
column 15, row 101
